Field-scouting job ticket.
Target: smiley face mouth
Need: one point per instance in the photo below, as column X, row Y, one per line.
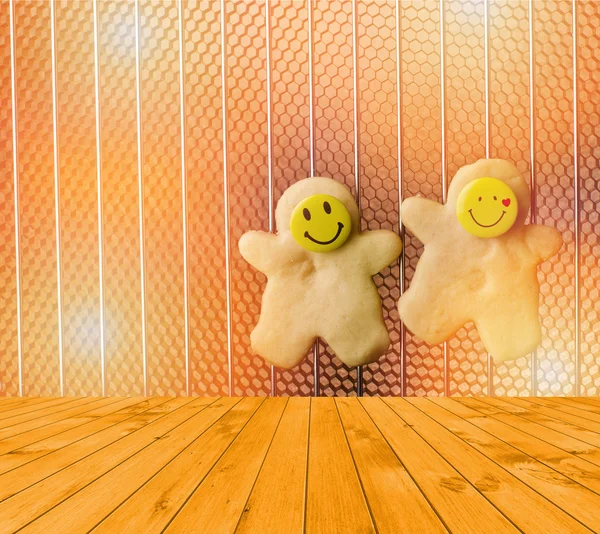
column 486, row 225
column 339, row 231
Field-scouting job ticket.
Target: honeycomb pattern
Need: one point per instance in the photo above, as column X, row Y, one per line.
column 9, row 365
column 467, row 362
column 247, row 174
column 421, row 162
column 39, row 295
column 465, row 83
column 120, row 209
column 291, row 134
column 588, row 17
column 163, row 217
column 465, row 143
column 509, row 131
column 248, row 182
column 334, row 138
column 379, row 170
column 206, row 215
column 554, row 176
column 76, row 113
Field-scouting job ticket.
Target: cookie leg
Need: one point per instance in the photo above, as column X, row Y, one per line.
column 364, row 343
column 280, row 343
column 430, row 317
column 510, row 334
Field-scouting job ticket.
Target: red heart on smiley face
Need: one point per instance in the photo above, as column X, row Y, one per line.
column 506, row 202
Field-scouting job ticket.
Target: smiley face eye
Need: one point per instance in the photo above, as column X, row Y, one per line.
column 479, row 199
column 495, row 198
column 306, row 214
column 327, row 207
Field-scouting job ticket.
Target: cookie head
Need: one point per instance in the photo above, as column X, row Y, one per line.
column 310, row 211
column 487, row 207
column 320, row 223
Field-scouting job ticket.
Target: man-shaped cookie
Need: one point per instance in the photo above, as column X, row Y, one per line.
column 479, row 262
column 319, row 268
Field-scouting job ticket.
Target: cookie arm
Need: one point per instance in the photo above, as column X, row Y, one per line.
column 422, row 217
column 543, row 241
column 259, row 249
column 269, row 252
column 379, row 248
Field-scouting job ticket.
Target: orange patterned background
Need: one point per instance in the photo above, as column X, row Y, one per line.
column 140, row 138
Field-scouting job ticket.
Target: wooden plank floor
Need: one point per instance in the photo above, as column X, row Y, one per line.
column 254, row 465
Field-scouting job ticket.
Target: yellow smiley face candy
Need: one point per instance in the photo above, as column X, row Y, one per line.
column 320, row 223
column 487, row 207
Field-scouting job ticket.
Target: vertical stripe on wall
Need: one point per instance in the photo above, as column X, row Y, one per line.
column 588, row 149
column 209, row 371
column 39, row 280
column 161, row 174
column 291, row 133
column 78, row 215
column 421, row 165
column 334, row 138
column 379, row 168
column 269, row 83
column 553, row 133
column 465, row 134
column 248, row 182
column 9, row 332
column 121, row 225
column 509, row 132
column 184, row 192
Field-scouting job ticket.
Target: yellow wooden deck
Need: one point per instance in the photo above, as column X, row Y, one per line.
column 299, row 465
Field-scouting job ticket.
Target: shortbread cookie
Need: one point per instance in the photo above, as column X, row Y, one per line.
column 319, row 268
column 479, row 262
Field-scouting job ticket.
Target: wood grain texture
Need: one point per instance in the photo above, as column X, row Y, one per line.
column 593, row 401
column 22, row 435
column 453, row 497
column 155, row 504
column 300, row 465
column 26, row 422
column 501, row 412
column 89, row 506
column 28, row 414
column 565, row 413
column 511, row 496
column 331, row 473
column 535, row 463
column 8, row 403
column 47, row 493
column 218, row 502
column 276, row 504
column 572, row 425
column 77, row 442
column 570, row 465
column 586, row 411
column 29, row 403
column 381, row 473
